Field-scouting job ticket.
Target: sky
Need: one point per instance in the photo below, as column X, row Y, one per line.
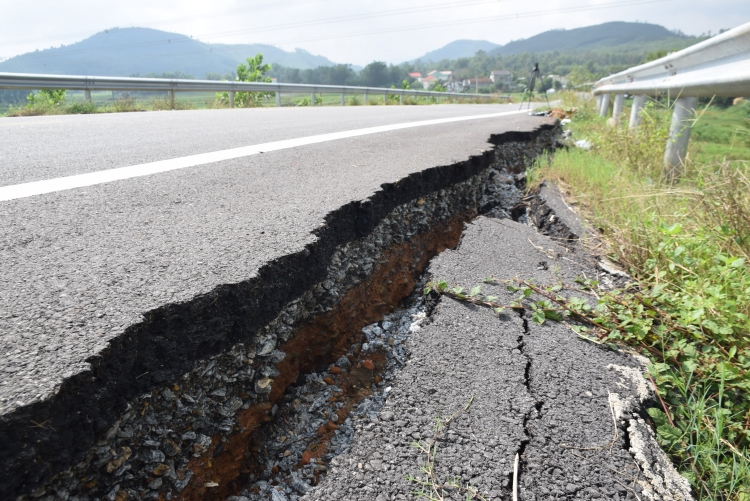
column 347, row 31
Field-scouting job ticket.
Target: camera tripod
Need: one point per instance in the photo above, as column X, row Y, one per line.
column 535, row 73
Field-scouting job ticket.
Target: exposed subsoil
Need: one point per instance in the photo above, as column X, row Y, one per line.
column 324, row 340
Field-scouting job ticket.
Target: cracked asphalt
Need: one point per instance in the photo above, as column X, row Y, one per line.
column 539, row 391
column 78, row 267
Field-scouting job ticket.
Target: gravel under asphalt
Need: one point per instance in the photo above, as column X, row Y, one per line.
column 538, row 390
column 78, row 267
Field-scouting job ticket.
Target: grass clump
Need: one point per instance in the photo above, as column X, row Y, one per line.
column 429, row 486
column 687, row 244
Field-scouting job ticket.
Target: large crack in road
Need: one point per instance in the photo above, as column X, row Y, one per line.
column 310, row 406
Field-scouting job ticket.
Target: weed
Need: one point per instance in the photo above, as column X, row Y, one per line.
column 429, row 487
column 81, row 108
column 34, row 109
column 163, row 104
column 124, row 104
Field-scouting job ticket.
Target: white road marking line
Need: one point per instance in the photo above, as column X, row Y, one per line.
column 107, row 176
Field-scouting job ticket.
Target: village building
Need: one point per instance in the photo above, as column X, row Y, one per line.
column 502, row 77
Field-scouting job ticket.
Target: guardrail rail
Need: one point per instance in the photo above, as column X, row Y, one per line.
column 719, row 67
column 95, row 83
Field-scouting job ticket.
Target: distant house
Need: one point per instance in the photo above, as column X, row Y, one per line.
column 502, row 77
column 442, row 75
column 416, row 76
column 445, row 77
column 471, row 84
column 429, row 81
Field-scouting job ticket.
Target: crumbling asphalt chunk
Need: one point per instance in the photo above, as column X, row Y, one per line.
column 549, row 213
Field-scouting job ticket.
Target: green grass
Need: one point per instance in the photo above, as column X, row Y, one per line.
column 723, row 133
column 687, row 244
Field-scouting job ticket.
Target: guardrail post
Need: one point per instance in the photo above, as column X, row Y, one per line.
column 604, row 108
column 312, row 99
column 231, row 99
column 683, row 116
column 635, row 113
column 171, row 99
column 618, row 106
column 278, row 99
column 342, row 99
column 365, row 101
column 400, row 99
column 385, row 99
column 87, row 95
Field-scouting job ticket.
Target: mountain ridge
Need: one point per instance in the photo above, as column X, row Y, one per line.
column 611, row 34
column 128, row 51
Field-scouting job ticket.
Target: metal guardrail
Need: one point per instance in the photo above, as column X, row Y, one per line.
column 95, row 83
column 719, row 66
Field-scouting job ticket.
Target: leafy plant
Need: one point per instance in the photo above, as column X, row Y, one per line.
column 47, row 96
column 253, row 71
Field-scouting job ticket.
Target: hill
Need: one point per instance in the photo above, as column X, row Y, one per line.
column 130, row 51
column 600, row 36
column 459, row 48
column 622, row 35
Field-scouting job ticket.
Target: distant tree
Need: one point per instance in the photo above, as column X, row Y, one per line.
column 579, row 75
column 375, row 74
column 653, row 56
column 340, row 74
column 545, row 84
column 219, row 76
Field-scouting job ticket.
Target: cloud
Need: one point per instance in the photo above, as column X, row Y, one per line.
column 345, row 31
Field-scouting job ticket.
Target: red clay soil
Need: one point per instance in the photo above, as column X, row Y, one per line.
column 319, row 342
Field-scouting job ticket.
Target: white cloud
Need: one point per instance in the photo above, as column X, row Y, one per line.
column 346, row 31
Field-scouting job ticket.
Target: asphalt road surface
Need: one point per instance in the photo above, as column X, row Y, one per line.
column 79, row 266
column 106, row 218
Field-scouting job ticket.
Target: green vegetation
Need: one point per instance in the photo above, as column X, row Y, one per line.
column 253, row 71
column 578, row 65
column 687, row 245
column 125, row 102
column 723, row 133
column 429, row 486
column 47, row 97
